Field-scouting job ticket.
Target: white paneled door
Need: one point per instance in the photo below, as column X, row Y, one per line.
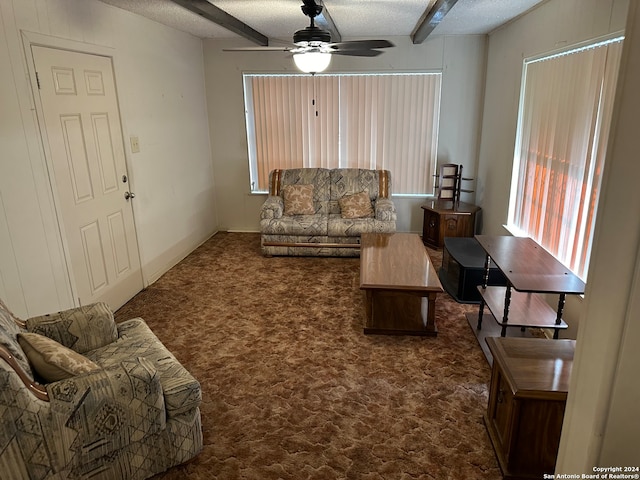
column 84, row 138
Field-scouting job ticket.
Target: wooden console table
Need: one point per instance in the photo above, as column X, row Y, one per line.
column 529, row 270
column 527, row 398
column 447, row 218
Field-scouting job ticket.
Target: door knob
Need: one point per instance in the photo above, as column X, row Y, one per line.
column 128, row 195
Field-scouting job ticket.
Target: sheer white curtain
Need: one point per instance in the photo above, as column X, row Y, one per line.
column 380, row 121
column 563, row 127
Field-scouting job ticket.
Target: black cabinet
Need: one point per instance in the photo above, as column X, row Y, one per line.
column 462, row 269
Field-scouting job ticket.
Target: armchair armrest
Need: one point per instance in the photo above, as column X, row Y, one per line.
column 39, row 391
column 385, row 210
column 273, row 207
column 81, row 329
column 109, row 408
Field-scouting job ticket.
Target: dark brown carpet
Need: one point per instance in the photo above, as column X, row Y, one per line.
column 293, row 389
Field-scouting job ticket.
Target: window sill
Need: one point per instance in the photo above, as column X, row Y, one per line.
column 516, row 232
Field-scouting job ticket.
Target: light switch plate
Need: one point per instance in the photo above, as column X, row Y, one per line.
column 135, row 144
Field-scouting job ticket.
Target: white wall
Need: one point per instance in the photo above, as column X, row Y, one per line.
column 461, row 59
column 160, row 79
column 554, row 24
column 603, row 409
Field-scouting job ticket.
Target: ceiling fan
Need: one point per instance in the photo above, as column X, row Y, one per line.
column 312, row 47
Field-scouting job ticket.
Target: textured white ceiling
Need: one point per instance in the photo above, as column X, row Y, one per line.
column 279, row 19
column 353, row 18
column 481, row 16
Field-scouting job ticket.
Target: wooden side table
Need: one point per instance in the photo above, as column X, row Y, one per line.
column 445, row 218
column 527, row 399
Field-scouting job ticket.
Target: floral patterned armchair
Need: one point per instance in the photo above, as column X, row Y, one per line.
column 84, row 397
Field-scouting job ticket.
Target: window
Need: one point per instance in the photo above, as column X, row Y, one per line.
column 563, row 126
column 381, row 121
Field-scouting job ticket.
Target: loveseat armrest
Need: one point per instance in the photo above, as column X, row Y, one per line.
column 273, row 207
column 81, row 329
column 385, row 210
column 101, row 412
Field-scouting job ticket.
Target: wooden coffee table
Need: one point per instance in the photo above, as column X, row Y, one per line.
column 400, row 284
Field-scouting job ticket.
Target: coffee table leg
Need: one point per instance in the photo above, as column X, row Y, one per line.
column 431, row 314
column 368, row 307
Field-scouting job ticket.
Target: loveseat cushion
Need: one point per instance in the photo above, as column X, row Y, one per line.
column 181, row 391
column 306, row 225
column 318, row 177
column 354, row 227
column 348, row 181
column 298, row 200
column 357, row 205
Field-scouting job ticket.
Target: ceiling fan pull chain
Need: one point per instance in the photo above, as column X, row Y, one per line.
column 313, row 102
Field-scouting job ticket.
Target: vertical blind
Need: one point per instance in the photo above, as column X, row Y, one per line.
column 381, row 121
column 563, row 126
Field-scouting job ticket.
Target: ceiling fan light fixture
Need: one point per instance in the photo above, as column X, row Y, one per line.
column 312, row 62
column 311, row 35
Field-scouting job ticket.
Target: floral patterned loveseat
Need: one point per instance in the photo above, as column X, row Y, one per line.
column 323, row 212
column 83, row 397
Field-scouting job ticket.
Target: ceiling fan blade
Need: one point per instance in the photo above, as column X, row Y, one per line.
column 257, row 49
column 315, row 40
column 361, row 44
column 357, row 53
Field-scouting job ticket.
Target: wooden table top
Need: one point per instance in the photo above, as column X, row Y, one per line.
column 534, row 364
column 528, row 266
column 449, row 206
column 396, row 261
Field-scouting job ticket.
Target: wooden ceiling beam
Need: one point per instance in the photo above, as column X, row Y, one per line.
column 222, row 18
column 325, row 22
column 430, row 20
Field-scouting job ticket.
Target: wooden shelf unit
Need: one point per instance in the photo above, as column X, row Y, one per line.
column 529, row 270
column 525, row 309
column 449, row 182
